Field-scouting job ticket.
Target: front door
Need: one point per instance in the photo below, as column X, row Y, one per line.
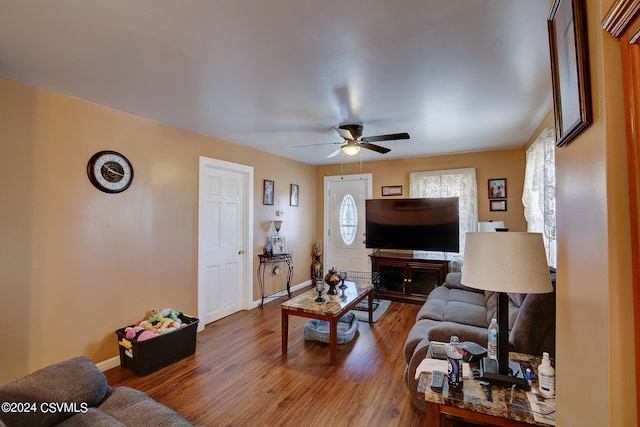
column 344, row 227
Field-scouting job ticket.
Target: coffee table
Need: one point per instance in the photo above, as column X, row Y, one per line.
column 331, row 310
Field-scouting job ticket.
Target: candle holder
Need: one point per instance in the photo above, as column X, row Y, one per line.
column 343, row 277
column 319, row 289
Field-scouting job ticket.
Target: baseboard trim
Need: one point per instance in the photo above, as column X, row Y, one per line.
column 282, row 293
column 105, row 365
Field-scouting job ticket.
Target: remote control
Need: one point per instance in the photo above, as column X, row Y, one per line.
column 437, row 381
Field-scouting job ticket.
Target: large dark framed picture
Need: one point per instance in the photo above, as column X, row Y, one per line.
column 569, row 69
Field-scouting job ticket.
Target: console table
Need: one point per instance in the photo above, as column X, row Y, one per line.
column 472, row 404
column 404, row 278
column 274, row 259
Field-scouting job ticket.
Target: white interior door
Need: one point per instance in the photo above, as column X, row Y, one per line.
column 344, row 225
column 222, row 225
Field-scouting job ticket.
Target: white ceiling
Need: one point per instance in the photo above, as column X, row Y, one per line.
column 457, row 75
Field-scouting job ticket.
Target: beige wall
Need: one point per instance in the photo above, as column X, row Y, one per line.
column 507, row 164
column 77, row 264
column 594, row 350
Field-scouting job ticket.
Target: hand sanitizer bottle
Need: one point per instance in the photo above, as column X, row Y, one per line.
column 546, row 377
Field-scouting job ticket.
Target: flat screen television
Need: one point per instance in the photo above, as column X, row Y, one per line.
column 428, row 224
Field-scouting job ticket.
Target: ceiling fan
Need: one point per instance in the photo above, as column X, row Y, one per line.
column 353, row 141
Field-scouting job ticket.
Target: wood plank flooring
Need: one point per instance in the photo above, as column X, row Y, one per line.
column 239, row 376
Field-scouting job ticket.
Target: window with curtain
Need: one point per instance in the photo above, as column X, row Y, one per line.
column 459, row 183
column 539, row 192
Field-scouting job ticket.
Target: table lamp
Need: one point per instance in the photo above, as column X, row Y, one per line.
column 505, row 262
column 277, row 224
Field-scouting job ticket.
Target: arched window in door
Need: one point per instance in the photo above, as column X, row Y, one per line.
column 348, row 219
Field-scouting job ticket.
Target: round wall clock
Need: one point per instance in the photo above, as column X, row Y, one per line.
column 110, row 171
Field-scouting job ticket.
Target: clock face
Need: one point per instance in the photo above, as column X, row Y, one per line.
column 110, row 171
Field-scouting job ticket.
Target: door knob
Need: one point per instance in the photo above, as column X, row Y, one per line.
column 241, row 251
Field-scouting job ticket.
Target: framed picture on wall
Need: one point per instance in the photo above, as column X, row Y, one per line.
column 569, row 69
column 294, row 194
column 392, row 190
column 267, row 198
column 498, row 188
column 497, row 205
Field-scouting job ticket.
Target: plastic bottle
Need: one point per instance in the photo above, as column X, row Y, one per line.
column 492, row 335
column 454, row 362
column 546, row 377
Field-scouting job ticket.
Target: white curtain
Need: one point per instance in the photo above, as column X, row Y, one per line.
column 539, row 193
column 459, row 183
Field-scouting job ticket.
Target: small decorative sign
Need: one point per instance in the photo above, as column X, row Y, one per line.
column 392, row 190
column 497, row 205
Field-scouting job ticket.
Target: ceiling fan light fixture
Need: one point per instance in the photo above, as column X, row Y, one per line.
column 351, row 149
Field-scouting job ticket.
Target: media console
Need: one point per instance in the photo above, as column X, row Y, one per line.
column 404, row 278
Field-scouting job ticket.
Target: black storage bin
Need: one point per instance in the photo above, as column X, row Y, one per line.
column 148, row 356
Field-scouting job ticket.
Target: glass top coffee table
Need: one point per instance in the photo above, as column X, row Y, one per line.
column 330, row 310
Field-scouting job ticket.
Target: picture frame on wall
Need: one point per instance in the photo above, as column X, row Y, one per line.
column 267, row 197
column 498, row 205
column 278, row 245
column 569, row 69
column 498, row 188
column 294, row 195
column 392, row 190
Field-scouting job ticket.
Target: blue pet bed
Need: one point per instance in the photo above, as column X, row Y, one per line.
column 318, row 330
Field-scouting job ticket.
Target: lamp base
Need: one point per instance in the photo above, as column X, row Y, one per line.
column 489, row 372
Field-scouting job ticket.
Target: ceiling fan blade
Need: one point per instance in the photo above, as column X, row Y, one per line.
column 374, row 147
column 322, row 143
column 335, row 153
column 344, row 133
column 389, row 137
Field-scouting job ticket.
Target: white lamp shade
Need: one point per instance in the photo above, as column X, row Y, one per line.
column 490, row 225
column 506, row 262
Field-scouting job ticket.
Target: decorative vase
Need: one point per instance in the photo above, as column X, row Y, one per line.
column 332, row 279
column 316, row 269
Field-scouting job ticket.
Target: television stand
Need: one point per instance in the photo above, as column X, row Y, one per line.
column 404, row 278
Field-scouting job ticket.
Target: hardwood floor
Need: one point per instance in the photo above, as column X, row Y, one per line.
column 239, row 376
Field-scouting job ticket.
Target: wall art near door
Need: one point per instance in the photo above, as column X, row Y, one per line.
column 267, row 198
column 392, row 190
column 294, row 194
